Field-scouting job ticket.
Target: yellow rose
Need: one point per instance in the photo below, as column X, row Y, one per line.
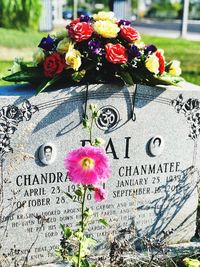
column 174, row 68
column 106, row 29
column 102, row 15
column 152, row 64
column 38, row 56
column 64, row 46
column 73, row 59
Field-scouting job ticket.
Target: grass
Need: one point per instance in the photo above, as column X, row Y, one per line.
column 187, row 52
column 19, row 39
column 4, row 66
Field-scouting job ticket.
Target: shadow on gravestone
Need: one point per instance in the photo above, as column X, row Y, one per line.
column 101, row 93
column 173, row 202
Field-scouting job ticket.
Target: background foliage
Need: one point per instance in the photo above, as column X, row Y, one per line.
column 20, row 14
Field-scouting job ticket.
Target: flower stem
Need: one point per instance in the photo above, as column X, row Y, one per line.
column 90, row 130
column 82, row 225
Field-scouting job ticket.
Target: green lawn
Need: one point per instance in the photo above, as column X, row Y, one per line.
column 4, row 66
column 19, row 39
column 187, row 52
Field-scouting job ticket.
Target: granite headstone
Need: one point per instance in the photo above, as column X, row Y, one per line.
column 152, row 138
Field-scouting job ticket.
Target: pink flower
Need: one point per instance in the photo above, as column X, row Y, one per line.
column 87, row 165
column 100, row 194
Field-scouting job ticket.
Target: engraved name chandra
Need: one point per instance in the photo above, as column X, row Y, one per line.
column 40, row 179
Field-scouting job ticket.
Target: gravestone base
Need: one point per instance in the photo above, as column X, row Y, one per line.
column 177, row 251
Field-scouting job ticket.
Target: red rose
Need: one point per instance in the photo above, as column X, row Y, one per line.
column 80, row 31
column 116, row 53
column 129, row 34
column 161, row 61
column 73, row 22
column 53, row 65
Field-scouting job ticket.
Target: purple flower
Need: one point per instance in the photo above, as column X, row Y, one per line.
column 124, row 22
column 95, row 47
column 85, row 18
column 46, row 43
column 150, row 49
column 133, row 51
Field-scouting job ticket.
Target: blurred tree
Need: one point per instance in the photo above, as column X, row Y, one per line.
column 134, row 7
column 20, row 14
column 165, row 9
column 194, row 9
column 134, row 4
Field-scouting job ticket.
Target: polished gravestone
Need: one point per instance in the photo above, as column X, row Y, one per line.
column 152, row 138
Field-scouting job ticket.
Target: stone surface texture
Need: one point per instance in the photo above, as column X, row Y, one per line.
column 150, row 194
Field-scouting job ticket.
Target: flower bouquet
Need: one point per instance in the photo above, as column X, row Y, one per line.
column 98, row 49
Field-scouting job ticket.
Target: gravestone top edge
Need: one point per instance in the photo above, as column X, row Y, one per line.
column 29, row 90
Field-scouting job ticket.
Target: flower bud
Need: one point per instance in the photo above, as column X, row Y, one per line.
column 93, row 107
column 15, row 67
column 38, row 56
column 99, row 141
column 100, row 194
column 78, row 234
column 174, row 68
column 64, row 46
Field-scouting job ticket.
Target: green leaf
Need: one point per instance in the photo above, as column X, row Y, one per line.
column 91, row 187
column 191, row 262
column 78, row 234
column 47, row 83
column 86, row 123
column 85, row 263
column 99, row 141
column 78, row 75
column 67, row 232
column 88, row 212
column 95, row 114
column 126, row 77
column 165, row 80
column 74, row 259
column 79, row 192
column 28, row 75
column 104, row 222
